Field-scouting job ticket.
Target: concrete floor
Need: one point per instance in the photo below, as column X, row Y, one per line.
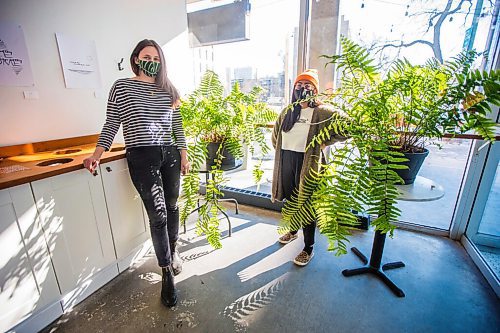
column 252, row 285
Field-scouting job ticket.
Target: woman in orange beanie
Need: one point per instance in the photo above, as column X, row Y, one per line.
column 296, row 126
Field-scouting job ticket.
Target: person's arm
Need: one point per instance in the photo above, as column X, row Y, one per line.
column 185, row 165
column 180, row 138
column 334, row 137
column 92, row 162
column 276, row 130
column 178, row 129
column 112, row 123
column 108, row 133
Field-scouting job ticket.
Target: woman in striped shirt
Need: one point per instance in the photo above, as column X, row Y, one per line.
column 147, row 107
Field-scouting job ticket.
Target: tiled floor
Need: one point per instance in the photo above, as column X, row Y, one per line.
column 252, row 285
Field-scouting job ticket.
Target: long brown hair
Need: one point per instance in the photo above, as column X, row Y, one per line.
column 161, row 79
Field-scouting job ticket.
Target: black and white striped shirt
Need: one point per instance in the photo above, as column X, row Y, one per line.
column 146, row 113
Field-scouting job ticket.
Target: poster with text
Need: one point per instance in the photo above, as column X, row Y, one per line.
column 79, row 62
column 15, row 67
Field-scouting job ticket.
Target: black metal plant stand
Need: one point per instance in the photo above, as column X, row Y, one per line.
column 373, row 267
column 207, row 179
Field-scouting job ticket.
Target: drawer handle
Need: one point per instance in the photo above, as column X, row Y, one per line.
column 95, row 173
column 108, row 169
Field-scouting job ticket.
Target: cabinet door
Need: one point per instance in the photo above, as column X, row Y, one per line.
column 27, row 281
column 75, row 221
column 124, row 208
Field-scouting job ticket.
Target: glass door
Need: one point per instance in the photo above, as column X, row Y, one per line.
column 484, row 224
column 477, row 223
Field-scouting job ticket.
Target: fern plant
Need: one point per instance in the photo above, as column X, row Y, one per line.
column 387, row 115
column 233, row 120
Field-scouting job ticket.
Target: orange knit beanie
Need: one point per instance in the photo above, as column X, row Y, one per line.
column 310, row 75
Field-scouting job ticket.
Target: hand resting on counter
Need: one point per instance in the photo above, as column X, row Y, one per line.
column 91, row 163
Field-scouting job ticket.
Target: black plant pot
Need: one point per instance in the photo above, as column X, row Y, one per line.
column 213, row 147
column 415, row 161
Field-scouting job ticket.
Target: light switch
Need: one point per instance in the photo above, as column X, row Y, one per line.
column 30, row 94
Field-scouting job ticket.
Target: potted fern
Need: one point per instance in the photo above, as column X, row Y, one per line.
column 436, row 99
column 389, row 115
column 219, row 127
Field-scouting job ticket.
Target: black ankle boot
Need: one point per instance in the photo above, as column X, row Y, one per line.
column 168, row 291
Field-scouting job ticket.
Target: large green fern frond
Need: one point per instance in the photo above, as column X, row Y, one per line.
column 210, row 85
column 191, row 182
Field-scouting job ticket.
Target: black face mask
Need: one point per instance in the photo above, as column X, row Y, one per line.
column 303, row 93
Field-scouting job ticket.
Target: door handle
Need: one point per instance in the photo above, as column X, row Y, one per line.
column 108, row 169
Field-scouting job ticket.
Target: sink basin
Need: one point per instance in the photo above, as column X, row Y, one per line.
column 55, row 162
column 117, row 149
column 67, row 151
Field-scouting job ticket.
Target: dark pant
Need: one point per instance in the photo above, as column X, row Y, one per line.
column 291, row 164
column 155, row 172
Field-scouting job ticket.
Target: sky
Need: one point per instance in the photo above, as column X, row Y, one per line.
column 378, row 17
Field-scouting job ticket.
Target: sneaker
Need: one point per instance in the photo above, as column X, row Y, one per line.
column 303, row 258
column 176, row 262
column 287, row 238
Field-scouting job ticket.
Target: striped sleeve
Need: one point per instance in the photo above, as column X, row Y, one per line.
column 178, row 130
column 112, row 123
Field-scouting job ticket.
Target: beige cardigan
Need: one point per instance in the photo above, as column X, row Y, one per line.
column 311, row 157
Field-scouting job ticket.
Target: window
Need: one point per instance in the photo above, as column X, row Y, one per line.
column 388, row 28
column 267, row 59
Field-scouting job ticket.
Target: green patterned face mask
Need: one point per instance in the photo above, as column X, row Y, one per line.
column 150, row 68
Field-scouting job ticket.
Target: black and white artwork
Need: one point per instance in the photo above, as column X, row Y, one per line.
column 79, row 62
column 15, row 67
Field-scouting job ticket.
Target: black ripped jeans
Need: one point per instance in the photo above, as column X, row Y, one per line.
column 155, row 172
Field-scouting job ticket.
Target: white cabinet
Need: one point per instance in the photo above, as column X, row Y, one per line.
column 128, row 225
column 73, row 216
column 62, row 238
column 28, row 285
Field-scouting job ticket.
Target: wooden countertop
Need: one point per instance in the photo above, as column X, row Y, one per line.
column 25, row 168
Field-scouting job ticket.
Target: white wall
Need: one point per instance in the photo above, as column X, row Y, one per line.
column 116, row 26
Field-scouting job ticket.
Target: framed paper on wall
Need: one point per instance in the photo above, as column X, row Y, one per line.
column 79, row 62
column 15, row 66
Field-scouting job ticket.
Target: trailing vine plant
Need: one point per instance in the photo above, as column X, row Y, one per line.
column 235, row 121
